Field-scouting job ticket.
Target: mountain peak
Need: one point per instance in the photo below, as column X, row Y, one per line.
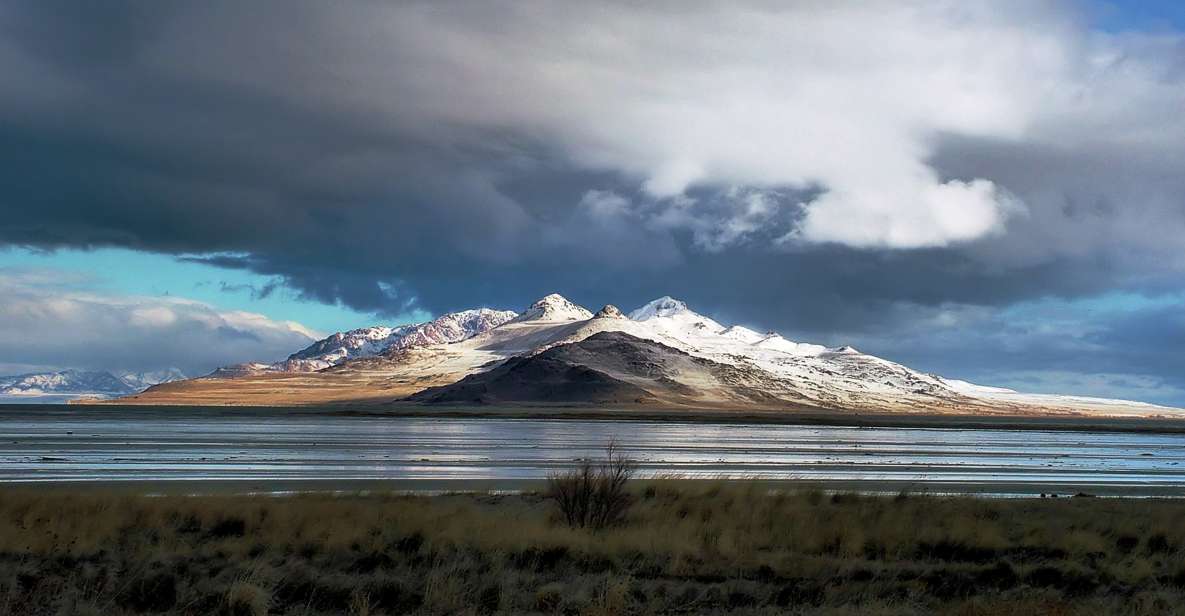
column 554, row 307
column 664, row 306
column 609, row 312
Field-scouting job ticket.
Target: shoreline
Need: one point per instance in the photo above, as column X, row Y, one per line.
column 1081, row 422
column 367, row 488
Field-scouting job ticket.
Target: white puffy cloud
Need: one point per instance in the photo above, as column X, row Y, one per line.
column 48, row 322
column 926, row 214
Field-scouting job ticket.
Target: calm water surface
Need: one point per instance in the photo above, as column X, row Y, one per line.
column 95, row 445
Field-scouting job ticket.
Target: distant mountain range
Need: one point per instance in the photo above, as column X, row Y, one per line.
column 661, row 355
column 78, row 383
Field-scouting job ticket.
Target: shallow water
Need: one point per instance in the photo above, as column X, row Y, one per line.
column 128, row 445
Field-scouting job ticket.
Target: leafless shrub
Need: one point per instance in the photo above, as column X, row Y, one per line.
column 593, row 494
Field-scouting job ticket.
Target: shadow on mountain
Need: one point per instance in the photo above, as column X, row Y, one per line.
column 606, row 368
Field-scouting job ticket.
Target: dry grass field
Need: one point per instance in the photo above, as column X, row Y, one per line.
column 683, row 548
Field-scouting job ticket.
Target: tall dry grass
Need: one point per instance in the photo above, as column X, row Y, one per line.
column 684, row 547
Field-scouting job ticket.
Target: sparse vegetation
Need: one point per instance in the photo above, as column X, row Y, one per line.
column 593, row 494
column 685, row 547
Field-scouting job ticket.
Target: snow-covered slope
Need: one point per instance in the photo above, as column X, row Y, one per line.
column 794, row 372
column 730, row 366
column 374, row 341
column 452, row 327
column 74, row 383
column 364, row 342
column 554, row 307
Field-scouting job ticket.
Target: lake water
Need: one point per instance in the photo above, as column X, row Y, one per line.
column 305, row 449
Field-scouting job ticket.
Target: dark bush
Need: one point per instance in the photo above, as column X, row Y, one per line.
column 799, row 593
column 154, row 592
column 228, row 527
column 1127, row 543
column 489, row 599
column 1158, row 544
column 1046, row 576
column 765, row 574
column 189, row 524
column 548, row 600
column 954, row 551
column 739, row 598
column 593, row 495
column 861, row 575
column 539, row 559
column 392, row 596
column 947, row 584
column 410, row 544
column 367, row 563
column 1001, row 576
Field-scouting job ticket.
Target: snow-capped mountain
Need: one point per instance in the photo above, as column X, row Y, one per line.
column 364, row 342
column 64, row 382
column 71, row 383
column 663, row 354
column 663, row 307
column 373, row 341
column 139, row 381
column 554, row 307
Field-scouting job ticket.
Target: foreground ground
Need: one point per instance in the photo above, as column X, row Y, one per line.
column 685, row 548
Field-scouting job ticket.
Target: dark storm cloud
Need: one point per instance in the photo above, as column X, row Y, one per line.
column 403, row 156
column 1053, row 346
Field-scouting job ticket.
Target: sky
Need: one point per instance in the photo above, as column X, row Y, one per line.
column 989, row 191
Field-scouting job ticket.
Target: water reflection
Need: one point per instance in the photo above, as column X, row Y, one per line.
column 130, row 445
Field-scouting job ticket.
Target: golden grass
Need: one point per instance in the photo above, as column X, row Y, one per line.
column 685, row 547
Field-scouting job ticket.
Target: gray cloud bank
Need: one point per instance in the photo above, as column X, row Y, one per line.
column 825, row 168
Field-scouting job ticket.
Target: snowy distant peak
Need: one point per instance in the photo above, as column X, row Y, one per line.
column 673, row 318
column 65, row 381
column 99, row 383
column 554, row 307
column 609, row 312
column 143, row 380
column 665, row 306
